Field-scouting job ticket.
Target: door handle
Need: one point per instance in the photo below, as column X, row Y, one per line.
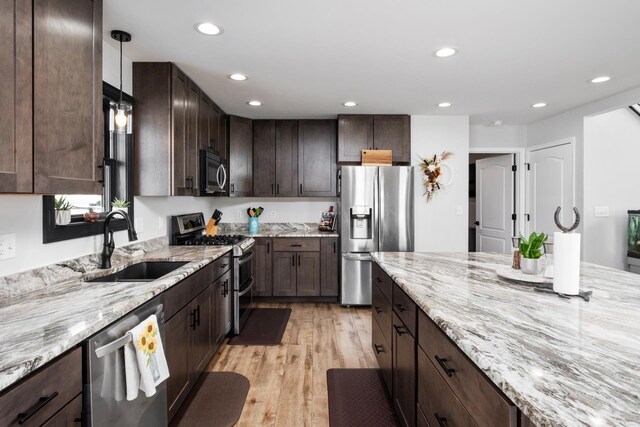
column 477, row 223
column 441, row 362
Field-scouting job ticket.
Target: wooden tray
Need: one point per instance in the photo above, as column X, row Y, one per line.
column 376, row 157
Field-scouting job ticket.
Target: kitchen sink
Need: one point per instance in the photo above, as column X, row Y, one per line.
column 142, row 272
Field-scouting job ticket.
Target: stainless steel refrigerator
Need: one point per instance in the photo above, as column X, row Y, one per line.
column 376, row 215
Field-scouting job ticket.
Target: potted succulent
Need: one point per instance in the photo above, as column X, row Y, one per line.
column 120, row 204
column 530, row 251
column 63, row 210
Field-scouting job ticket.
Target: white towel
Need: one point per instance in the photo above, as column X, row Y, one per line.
column 145, row 362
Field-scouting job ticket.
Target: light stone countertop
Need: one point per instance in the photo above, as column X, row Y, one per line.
column 277, row 229
column 562, row 362
column 51, row 317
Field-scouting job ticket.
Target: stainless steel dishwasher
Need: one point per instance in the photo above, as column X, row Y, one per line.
column 105, row 389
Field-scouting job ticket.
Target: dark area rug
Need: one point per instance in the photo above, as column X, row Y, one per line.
column 217, row 401
column 265, row 326
column 358, row 398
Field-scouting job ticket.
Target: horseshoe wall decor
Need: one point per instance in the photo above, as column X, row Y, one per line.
column 562, row 228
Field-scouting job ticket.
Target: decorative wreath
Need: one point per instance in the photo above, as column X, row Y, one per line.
column 432, row 169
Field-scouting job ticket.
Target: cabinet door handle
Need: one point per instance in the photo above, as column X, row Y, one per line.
column 442, row 421
column 268, row 247
column 193, row 319
column 300, row 188
column 334, row 247
column 226, row 288
column 42, row 402
column 198, row 315
column 272, row 189
column 298, row 260
column 442, row 363
column 401, row 330
column 379, row 348
column 401, row 308
column 293, row 260
column 233, row 190
column 377, row 309
column 277, row 189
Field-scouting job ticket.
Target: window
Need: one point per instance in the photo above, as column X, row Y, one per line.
column 118, row 183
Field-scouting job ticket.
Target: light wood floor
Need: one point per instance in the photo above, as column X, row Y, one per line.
column 288, row 381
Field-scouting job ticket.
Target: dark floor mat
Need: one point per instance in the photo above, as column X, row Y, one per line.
column 358, row 398
column 265, row 326
column 217, row 401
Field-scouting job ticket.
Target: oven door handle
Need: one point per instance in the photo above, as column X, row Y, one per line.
column 247, row 289
column 224, row 176
column 245, row 259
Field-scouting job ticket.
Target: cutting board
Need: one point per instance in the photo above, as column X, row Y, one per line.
column 376, row 157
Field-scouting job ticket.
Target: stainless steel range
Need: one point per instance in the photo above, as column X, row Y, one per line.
column 189, row 230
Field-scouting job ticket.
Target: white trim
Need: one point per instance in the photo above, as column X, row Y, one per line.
column 564, row 141
column 521, row 157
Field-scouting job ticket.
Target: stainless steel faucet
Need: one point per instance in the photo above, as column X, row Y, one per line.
column 108, row 245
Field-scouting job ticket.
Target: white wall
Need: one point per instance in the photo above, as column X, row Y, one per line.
column 111, row 67
column 439, row 226
column 507, row 136
column 611, row 155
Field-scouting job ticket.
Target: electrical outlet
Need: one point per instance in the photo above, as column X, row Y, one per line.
column 459, row 210
column 273, row 214
column 7, row 246
column 239, row 213
column 138, row 224
column 601, row 211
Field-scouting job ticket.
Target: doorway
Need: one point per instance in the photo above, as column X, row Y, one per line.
column 495, row 202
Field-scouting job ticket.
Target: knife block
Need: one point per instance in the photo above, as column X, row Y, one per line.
column 212, row 228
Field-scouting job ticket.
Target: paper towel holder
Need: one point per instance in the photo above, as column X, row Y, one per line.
column 562, row 228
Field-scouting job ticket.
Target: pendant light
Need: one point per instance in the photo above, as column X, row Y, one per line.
column 123, row 109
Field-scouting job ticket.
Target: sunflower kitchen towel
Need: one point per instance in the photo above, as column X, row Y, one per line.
column 149, row 366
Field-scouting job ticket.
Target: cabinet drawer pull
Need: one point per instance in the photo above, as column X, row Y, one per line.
column 400, row 329
column 442, row 421
column 42, row 402
column 224, row 265
column 296, row 246
column 378, row 309
column 401, row 308
column 441, row 362
column 379, row 348
column 379, row 280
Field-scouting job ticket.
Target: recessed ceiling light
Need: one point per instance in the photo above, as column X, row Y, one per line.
column 239, row 77
column 255, row 103
column 444, row 105
column 446, row 52
column 601, row 79
column 539, row 105
column 209, row 29
column 350, row 103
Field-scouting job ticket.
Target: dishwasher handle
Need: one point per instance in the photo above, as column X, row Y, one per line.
column 125, row 339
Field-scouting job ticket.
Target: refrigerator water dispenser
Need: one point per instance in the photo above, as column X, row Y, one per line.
column 361, row 220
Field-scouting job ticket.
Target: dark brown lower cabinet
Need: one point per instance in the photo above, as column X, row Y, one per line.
column 284, row 274
column 221, row 300
column 200, row 351
column 404, row 372
column 382, row 350
column 308, row 274
column 329, row 272
column 70, row 415
column 262, row 268
column 436, row 401
column 177, row 342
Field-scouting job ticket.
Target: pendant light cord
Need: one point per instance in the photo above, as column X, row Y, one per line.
column 120, row 70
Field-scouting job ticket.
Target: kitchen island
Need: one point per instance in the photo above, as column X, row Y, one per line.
column 562, row 362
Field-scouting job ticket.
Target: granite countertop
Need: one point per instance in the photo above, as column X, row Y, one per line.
column 277, row 229
column 49, row 318
column 563, row 362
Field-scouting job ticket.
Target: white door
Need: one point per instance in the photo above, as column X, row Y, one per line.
column 550, row 184
column 494, row 204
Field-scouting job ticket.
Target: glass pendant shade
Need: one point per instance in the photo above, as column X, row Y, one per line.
column 120, row 117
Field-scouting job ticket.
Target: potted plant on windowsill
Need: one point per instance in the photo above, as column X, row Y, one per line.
column 120, row 204
column 63, row 210
column 530, row 251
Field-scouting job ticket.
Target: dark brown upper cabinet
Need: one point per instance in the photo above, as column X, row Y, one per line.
column 16, row 144
column 210, row 121
column 317, row 158
column 264, row 158
column 287, row 158
column 166, row 127
column 355, row 133
column 379, row 132
column 68, row 141
column 240, row 157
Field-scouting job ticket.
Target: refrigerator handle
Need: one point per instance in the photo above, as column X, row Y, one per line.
column 376, row 211
column 356, row 257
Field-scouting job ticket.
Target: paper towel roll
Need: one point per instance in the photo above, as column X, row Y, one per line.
column 566, row 263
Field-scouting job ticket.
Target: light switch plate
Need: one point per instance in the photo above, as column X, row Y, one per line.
column 601, row 211
column 7, row 246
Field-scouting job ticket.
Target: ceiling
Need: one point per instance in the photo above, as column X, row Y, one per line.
column 304, row 58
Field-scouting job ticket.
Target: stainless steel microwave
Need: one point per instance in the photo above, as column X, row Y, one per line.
column 213, row 174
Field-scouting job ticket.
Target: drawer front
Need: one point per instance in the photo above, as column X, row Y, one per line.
column 405, row 308
column 436, row 402
column 221, row 266
column 70, row 415
column 382, row 350
column 285, row 244
column 50, row 389
column 487, row 405
column 183, row 292
column 383, row 281
column 381, row 312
